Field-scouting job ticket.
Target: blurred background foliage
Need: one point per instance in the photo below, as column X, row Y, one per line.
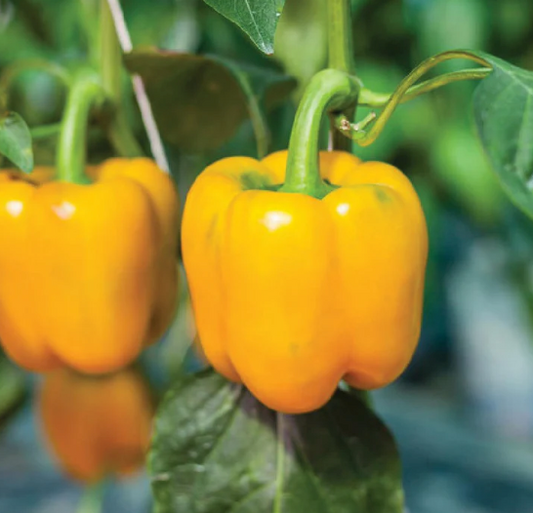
column 463, row 412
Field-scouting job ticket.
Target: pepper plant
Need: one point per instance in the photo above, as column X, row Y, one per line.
column 305, row 266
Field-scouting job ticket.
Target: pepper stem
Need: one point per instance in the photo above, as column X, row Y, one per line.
column 328, row 90
column 85, row 91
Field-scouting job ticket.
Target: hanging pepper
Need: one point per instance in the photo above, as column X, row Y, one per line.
column 305, row 270
column 87, row 272
column 95, row 426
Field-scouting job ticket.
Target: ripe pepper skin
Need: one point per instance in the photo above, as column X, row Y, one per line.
column 291, row 293
column 96, row 425
column 87, row 272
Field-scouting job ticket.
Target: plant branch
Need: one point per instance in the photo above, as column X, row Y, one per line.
column 259, row 123
column 11, row 72
column 365, row 138
column 340, row 36
column 368, row 98
column 45, row 131
column 341, row 58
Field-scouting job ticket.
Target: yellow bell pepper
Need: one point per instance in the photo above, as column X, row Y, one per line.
column 292, row 293
column 87, row 271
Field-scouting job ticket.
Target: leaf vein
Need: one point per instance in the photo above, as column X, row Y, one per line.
column 494, row 99
column 221, row 437
column 258, row 30
column 516, row 79
column 300, row 452
column 235, row 504
column 280, row 461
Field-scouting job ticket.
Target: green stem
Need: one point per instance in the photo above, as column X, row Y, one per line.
column 328, row 90
column 339, row 141
column 93, row 498
column 341, row 58
column 45, row 131
column 366, row 138
column 122, row 138
column 88, row 20
column 340, row 36
column 86, row 91
column 110, row 53
column 14, row 70
column 119, row 131
column 368, row 98
column 259, row 123
column 54, row 70
column 342, row 123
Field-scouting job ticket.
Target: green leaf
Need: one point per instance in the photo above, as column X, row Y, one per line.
column 15, row 141
column 217, row 449
column 199, row 101
column 258, row 18
column 503, row 107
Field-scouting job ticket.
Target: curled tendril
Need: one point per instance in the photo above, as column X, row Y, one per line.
column 406, row 91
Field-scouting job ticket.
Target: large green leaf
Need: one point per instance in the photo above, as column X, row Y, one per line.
column 15, row 141
column 258, row 18
column 503, row 104
column 200, row 101
column 216, row 449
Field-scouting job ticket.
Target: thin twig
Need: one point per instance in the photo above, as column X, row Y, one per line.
column 147, row 114
column 369, row 98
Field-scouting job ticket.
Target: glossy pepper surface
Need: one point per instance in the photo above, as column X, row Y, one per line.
column 291, row 293
column 87, row 272
column 94, row 426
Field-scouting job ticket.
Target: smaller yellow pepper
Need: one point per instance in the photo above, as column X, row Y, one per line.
column 96, row 425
